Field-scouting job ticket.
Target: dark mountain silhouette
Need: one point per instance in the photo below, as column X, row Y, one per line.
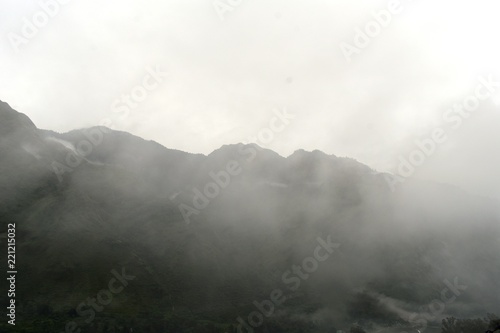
column 207, row 236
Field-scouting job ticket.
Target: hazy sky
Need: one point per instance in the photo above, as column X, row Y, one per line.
column 229, row 69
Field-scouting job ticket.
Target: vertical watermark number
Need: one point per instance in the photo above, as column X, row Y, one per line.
column 11, row 272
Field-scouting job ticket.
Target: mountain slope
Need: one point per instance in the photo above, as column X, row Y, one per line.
column 95, row 200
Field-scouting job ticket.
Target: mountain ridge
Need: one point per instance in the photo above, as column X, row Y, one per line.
column 121, row 206
column 231, row 148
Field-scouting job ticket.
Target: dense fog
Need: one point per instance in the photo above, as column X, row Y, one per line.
column 237, row 166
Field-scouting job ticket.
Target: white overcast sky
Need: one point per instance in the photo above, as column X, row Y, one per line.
column 225, row 77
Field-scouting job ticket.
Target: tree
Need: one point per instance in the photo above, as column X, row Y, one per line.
column 476, row 325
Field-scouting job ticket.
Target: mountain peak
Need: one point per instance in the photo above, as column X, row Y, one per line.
column 237, row 150
column 315, row 154
column 12, row 121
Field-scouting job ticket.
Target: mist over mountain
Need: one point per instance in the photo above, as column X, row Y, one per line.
column 201, row 243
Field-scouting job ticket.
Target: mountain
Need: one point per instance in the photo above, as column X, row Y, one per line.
column 209, row 243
